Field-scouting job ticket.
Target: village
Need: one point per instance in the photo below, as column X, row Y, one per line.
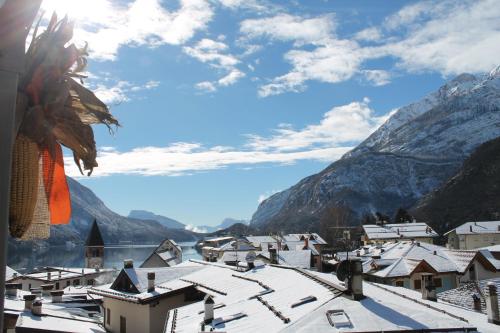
column 263, row 148
column 396, row 280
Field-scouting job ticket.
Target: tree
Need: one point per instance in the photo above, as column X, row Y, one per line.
column 402, row 216
column 382, row 218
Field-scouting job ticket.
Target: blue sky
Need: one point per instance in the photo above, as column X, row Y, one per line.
column 226, row 102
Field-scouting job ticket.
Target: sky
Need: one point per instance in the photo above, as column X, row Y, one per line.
column 225, row 102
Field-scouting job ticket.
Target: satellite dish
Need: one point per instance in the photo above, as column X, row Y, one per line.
column 250, row 257
column 343, row 270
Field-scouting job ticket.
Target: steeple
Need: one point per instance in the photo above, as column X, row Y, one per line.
column 94, row 248
column 94, row 238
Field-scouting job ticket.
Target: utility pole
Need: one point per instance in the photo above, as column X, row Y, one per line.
column 16, row 17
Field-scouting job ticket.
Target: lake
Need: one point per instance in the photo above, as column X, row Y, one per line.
column 27, row 260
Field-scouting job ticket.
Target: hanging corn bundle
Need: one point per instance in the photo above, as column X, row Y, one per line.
column 52, row 109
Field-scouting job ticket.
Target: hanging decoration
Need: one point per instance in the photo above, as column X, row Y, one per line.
column 53, row 109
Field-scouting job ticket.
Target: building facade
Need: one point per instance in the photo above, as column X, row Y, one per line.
column 474, row 235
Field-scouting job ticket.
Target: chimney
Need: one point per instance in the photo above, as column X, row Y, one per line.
column 11, row 289
column 428, row 289
column 36, row 308
column 209, row 309
column 355, row 280
column 492, row 304
column 128, row 263
column 435, row 252
column 46, row 289
column 470, row 227
column 476, row 301
column 418, row 243
column 306, row 243
column 49, row 275
column 398, row 231
column 57, row 296
column 151, row 282
column 28, row 301
column 358, row 253
column 273, row 256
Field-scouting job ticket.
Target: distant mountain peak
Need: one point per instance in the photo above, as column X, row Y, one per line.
column 166, row 221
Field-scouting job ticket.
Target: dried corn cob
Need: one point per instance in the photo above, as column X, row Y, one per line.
column 24, row 185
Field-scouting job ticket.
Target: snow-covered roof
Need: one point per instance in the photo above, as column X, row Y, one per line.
column 240, row 244
column 399, row 230
column 219, row 239
column 493, row 248
column 300, row 245
column 401, row 258
column 9, row 273
column 463, row 295
column 167, row 279
column 61, row 273
column 300, row 258
column 275, row 299
column 28, row 322
column 258, row 240
column 299, row 237
column 484, row 227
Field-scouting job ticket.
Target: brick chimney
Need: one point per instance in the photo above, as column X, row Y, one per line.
column 355, row 280
column 28, row 301
column 306, row 243
column 492, row 304
column 57, row 296
column 476, row 301
column 151, row 282
column 128, row 263
column 36, row 308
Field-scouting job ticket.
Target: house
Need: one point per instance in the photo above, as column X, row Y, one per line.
column 471, row 295
column 283, row 299
column 210, row 253
column 262, row 243
column 57, row 278
column 139, row 299
column 473, row 235
column 298, row 258
column 208, row 246
column 418, row 231
column 404, row 263
column 300, row 242
column 167, row 254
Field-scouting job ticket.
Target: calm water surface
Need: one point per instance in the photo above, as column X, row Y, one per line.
column 27, row 260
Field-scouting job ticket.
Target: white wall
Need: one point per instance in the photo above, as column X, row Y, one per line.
column 137, row 315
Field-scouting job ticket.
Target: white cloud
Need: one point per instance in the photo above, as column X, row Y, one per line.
column 215, row 54
column 231, row 78
column 377, row 77
column 108, row 25
column 341, row 126
column 259, row 6
column 285, row 27
column 194, row 228
column 206, row 86
column 337, row 132
column 369, row 34
column 112, row 91
column 266, row 195
column 335, row 61
column 448, row 37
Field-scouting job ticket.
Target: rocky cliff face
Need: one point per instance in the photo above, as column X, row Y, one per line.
column 473, row 194
column 415, row 151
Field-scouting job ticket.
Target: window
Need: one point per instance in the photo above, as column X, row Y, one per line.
column 417, row 284
column 123, row 324
column 76, row 282
column 400, row 283
column 108, row 316
column 68, row 283
column 29, row 286
column 57, row 285
column 438, row 282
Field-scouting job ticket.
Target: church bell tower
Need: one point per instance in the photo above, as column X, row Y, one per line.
column 94, row 248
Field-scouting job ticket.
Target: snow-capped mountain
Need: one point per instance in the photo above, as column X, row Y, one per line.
column 418, row 148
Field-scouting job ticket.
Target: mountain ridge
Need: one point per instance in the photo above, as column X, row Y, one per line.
column 417, row 149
